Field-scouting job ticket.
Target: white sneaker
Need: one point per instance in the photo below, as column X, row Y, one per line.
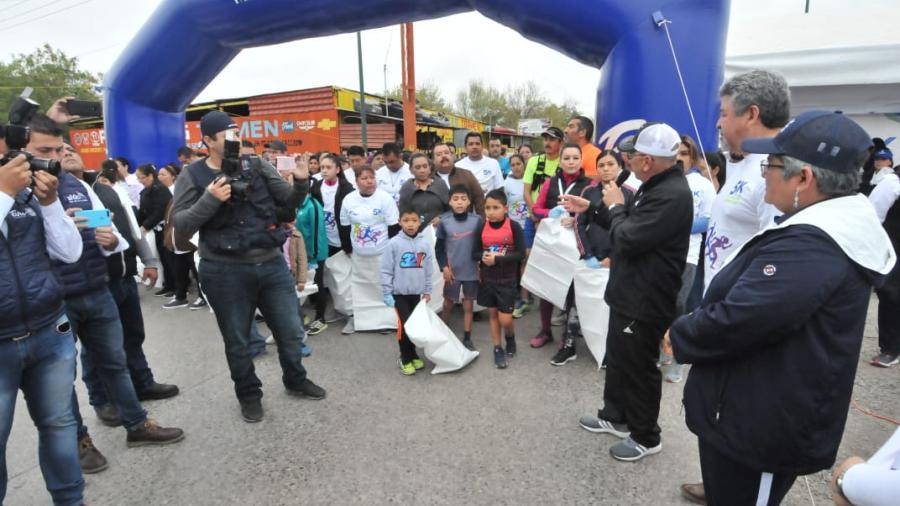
column 270, row 340
column 348, row 328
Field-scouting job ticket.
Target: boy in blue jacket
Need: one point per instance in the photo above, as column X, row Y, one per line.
column 406, row 271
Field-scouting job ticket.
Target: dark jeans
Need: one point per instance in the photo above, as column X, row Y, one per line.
column 234, row 291
column 184, row 265
column 166, row 259
column 633, row 382
column 888, row 314
column 405, row 304
column 125, row 293
column 731, row 483
column 95, row 320
column 43, row 367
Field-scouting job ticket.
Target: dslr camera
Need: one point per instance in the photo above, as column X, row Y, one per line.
column 17, row 135
column 237, row 170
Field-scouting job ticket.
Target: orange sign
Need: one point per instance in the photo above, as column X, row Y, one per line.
column 303, row 131
column 91, row 145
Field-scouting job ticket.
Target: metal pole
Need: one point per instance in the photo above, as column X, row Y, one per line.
column 362, row 94
column 807, row 7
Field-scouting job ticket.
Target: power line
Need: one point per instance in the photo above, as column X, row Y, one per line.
column 7, row 28
column 32, row 11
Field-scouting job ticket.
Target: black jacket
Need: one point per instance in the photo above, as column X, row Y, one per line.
column 153, row 205
column 592, row 230
column 774, row 348
column 118, row 265
column 649, row 246
column 344, row 189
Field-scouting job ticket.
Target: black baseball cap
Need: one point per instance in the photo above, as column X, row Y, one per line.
column 214, row 122
column 824, row 139
column 554, row 133
column 277, row 146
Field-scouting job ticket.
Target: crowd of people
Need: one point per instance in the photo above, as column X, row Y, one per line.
column 753, row 266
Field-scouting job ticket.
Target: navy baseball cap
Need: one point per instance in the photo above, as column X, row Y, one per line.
column 214, row 122
column 884, row 154
column 824, row 139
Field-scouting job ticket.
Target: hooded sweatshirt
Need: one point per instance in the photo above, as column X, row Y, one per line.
column 407, row 265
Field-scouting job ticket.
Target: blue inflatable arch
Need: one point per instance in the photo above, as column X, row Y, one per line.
column 186, row 43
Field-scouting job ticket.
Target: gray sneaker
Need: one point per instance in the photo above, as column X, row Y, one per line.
column 885, row 360
column 348, row 328
column 599, row 425
column 628, row 450
column 675, row 374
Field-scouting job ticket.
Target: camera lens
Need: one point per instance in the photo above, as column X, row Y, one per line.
column 52, row 167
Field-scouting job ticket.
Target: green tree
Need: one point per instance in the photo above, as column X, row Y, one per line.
column 50, row 72
column 428, row 96
column 482, row 102
column 487, row 104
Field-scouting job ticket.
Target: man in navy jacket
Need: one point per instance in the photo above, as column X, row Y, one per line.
column 776, row 342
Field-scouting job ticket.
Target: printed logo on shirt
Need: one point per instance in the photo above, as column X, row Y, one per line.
column 715, row 244
column 412, row 260
column 329, row 219
column 76, row 198
column 519, row 209
column 500, row 249
column 734, row 196
column 365, row 235
column 459, row 235
column 769, row 270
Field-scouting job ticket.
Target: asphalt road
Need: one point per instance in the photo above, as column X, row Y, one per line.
column 480, row 436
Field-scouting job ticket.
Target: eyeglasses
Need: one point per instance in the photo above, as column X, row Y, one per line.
column 764, row 167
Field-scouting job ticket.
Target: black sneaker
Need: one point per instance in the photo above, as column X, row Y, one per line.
column 309, row 390
column 157, row 391
column 499, row 357
column 467, row 342
column 252, row 410
column 510, row 346
column 198, row 304
column 164, row 292
column 565, row 354
column 176, row 304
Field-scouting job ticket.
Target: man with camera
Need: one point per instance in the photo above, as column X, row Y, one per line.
column 231, row 201
column 37, row 350
column 91, row 309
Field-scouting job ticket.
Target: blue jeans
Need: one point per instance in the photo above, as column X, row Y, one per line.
column 43, row 366
column 125, row 293
column 234, row 291
column 95, row 320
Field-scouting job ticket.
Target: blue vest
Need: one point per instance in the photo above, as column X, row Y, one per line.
column 31, row 296
column 240, row 225
column 89, row 272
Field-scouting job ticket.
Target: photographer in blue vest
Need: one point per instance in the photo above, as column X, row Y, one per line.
column 231, row 200
column 90, row 306
column 37, row 350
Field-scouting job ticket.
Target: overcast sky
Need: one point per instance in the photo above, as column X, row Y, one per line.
column 96, row 31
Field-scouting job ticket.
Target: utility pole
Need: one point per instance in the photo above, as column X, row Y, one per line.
column 362, row 94
column 408, row 61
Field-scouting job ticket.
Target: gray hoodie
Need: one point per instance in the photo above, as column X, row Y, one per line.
column 407, row 265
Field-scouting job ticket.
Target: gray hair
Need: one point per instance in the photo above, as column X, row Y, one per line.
column 767, row 90
column 828, row 182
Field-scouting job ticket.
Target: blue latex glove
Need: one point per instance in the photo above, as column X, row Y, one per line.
column 388, row 300
column 557, row 212
column 313, row 266
column 592, row 262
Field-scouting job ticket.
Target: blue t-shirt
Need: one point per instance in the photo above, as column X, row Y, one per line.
column 504, row 165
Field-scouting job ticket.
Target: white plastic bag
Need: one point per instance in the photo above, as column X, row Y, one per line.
column 337, row 280
column 426, row 330
column 551, row 265
column 593, row 313
column 369, row 311
column 437, row 278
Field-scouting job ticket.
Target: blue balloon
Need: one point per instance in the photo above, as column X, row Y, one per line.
column 186, row 43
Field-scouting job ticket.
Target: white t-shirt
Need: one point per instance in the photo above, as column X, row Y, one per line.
column 331, row 227
column 445, row 177
column 739, row 212
column 515, row 198
column 885, row 195
column 369, row 219
column 487, row 172
column 350, row 175
column 391, row 181
column 317, row 176
column 704, row 195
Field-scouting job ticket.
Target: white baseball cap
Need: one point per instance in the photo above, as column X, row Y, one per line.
column 654, row 139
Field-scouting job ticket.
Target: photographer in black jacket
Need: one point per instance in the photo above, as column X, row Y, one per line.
column 649, row 245
column 231, row 201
